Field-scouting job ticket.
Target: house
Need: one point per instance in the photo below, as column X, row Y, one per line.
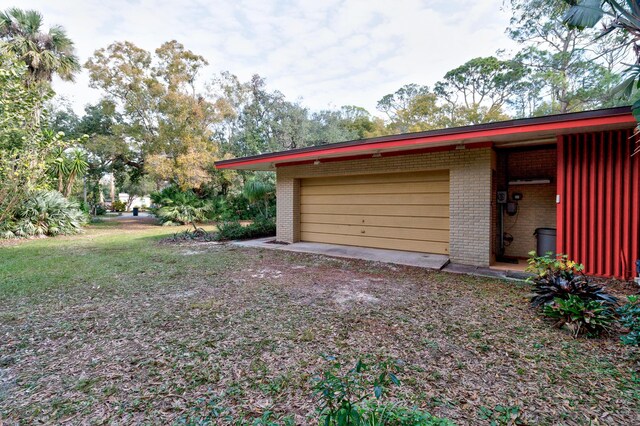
column 474, row 193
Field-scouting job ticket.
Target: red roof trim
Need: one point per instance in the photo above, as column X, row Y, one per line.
column 391, row 154
column 490, row 133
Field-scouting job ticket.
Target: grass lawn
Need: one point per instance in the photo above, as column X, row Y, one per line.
column 113, row 327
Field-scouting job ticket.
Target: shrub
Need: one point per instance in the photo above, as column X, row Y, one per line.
column 184, row 214
column 45, row 213
column 177, row 207
column 582, row 317
column 551, row 264
column 568, row 296
column 118, row 206
column 235, row 231
column 558, row 278
column 630, row 320
column 231, row 231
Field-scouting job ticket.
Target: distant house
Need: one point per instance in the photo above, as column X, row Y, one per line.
column 137, row 201
column 475, row 193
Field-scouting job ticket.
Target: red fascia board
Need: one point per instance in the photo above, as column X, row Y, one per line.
column 391, row 154
column 562, row 125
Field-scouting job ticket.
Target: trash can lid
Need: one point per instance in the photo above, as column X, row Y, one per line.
column 545, row 231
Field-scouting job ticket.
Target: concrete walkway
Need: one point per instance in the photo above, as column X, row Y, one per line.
column 421, row 260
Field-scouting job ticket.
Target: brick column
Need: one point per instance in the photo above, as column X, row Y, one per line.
column 287, row 209
column 470, row 208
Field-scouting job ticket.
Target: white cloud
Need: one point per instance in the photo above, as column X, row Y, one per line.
column 330, row 52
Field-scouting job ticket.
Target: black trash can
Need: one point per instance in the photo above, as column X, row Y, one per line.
column 135, row 213
column 546, row 241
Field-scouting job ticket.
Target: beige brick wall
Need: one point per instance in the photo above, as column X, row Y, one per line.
column 470, row 188
column 537, row 209
column 287, row 209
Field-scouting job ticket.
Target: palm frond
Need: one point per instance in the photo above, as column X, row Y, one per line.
column 584, row 14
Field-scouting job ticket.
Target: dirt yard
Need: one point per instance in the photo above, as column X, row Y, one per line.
column 112, row 327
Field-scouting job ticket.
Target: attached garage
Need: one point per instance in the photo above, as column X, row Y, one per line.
column 475, row 194
column 400, row 211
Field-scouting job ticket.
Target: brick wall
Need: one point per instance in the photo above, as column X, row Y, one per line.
column 470, row 198
column 537, row 209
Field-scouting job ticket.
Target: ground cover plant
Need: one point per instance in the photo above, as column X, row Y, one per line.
column 630, row 320
column 114, row 327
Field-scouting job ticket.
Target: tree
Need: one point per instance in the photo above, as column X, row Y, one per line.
column 477, row 91
column 46, row 53
column 165, row 121
column 619, row 17
column 568, row 67
column 411, row 108
column 25, row 144
column 361, row 123
column 258, row 192
column 256, row 120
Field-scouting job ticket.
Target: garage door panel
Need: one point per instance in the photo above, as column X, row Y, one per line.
column 377, row 199
column 400, row 211
column 432, row 176
column 379, row 188
column 385, row 243
column 441, row 235
column 368, row 220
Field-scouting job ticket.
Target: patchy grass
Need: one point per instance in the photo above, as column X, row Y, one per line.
column 112, row 327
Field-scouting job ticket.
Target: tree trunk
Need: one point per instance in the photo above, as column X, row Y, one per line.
column 70, row 182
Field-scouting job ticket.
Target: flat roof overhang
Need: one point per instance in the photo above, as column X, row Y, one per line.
column 511, row 133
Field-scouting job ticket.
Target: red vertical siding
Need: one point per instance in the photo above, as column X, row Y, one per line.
column 598, row 217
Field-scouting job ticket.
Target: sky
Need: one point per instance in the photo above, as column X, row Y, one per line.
column 324, row 53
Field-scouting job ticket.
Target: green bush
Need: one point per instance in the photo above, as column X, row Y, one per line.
column 235, row 231
column 553, row 264
column 630, row 320
column 176, row 207
column 118, row 206
column 237, row 207
column 582, row 317
column 44, row 213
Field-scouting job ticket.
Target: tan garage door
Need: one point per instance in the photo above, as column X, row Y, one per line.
column 400, row 211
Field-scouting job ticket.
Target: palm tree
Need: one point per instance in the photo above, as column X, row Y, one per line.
column 45, row 53
column 257, row 193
